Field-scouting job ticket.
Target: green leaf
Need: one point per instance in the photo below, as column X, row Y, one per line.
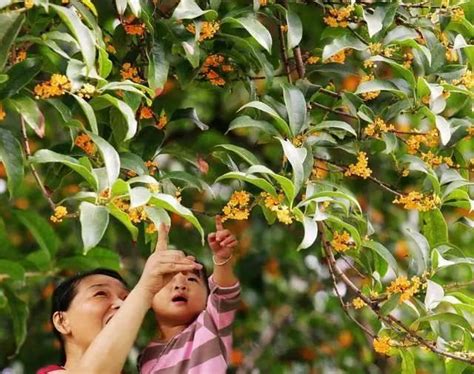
column 94, row 221
column 188, row 9
column 40, row 229
column 399, row 69
column 192, row 52
column 158, row 67
column 82, row 34
column 449, row 318
column 190, row 114
column 408, row 361
column 420, row 250
column 340, row 44
column 89, row 113
column 444, row 129
column 261, row 35
column 170, row 203
column 124, row 219
column 19, row 312
column 104, row 258
column 310, row 233
column 190, row 181
column 13, row 270
column 105, row 65
column 135, row 7
column 158, row 215
column 434, row 227
column 244, row 154
column 11, row 155
column 47, row 156
column 129, row 86
column 139, row 196
column 389, row 305
column 400, row 33
column 374, row 19
column 110, row 157
column 123, row 108
column 246, row 121
column 295, row 29
column 331, row 125
column 455, row 367
column 296, row 108
column 252, row 179
column 19, row 75
column 379, row 85
column 28, row 109
column 383, row 252
column 281, row 125
column 11, row 22
column 434, row 295
column 296, row 157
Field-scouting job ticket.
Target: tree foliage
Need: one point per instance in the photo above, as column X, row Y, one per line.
column 335, row 138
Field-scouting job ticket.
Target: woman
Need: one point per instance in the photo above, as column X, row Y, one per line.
column 97, row 319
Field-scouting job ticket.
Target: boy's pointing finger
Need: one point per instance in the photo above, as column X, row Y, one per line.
column 219, row 225
column 162, row 243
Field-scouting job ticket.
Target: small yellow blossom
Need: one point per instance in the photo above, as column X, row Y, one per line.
column 2, row 113
column 341, row 242
column 358, row 303
column 137, row 215
column 371, row 94
column 443, row 38
column 284, row 215
column 338, row 17
column 457, row 15
column 263, row 2
column 360, row 168
column 87, row 91
column 451, row 55
column 320, row 170
column 130, row 72
column 369, row 64
column 146, row 112
column 375, row 48
column 154, row 187
column 419, row 201
column 59, row 213
column 382, row 344
column 408, row 60
column 208, row 29
column 337, row 58
column 210, row 66
column 162, row 121
column 312, row 60
column 237, row 206
column 20, row 56
column 430, row 139
column 29, row 4
column 84, row 142
column 152, row 166
column 132, row 26
column 58, row 85
column 270, row 201
column 378, row 127
column 389, row 51
column 406, row 288
column 151, row 228
column 433, row 160
column 467, row 79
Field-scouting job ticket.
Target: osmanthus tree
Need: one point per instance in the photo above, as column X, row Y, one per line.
column 345, row 125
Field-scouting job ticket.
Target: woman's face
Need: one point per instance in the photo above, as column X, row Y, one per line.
column 98, row 297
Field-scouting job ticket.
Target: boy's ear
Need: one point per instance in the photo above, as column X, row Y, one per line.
column 61, row 322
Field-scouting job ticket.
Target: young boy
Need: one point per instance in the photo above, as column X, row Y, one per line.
column 194, row 314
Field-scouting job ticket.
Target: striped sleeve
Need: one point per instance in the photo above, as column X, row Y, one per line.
column 222, row 305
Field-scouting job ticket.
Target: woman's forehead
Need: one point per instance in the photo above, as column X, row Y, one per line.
column 100, row 281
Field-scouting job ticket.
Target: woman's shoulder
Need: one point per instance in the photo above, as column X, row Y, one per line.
column 50, row 369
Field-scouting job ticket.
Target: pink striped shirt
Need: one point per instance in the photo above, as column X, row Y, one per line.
column 204, row 346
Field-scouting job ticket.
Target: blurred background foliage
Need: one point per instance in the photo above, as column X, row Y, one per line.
column 141, row 93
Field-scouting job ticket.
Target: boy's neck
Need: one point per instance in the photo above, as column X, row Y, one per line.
column 166, row 331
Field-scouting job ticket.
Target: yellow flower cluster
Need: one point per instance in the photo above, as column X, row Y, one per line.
column 430, row 139
column 59, row 213
column 145, row 112
column 284, row 215
column 56, row 86
column 371, row 94
column 2, row 113
column 341, row 242
column 375, row 48
column 208, row 29
column 84, row 142
column 152, row 166
column 130, row 72
column 136, row 215
column 108, row 46
column 443, row 38
column 408, row 60
column 338, row 17
column 29, row 4
column 210, row 65
column 338, row 58
column 237, row 207
column 275, row 205
column 298, row 140
column 132, row 27
column 451, row 55
column 162, row 121
column 467, row 80
column 263, row 2
column 320, row 170
column 378, row 127
column 389, row 51
column 270, row 201
column 358, row 303
column 382, row 345
column 151, row 228
column 419, row 201
column 457, row 15
column 86, row 91
column 407, row 288
column 312, row 60
column 18, row 56
column 369, row 64
column 433, row 160
column 361, row 168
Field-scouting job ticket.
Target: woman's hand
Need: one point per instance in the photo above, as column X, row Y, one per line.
column 162, row 263
column 222, row 242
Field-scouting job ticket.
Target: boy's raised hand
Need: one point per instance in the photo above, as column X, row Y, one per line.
column 163, row 262
column 222, row 242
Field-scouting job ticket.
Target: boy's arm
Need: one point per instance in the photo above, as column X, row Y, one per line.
column 222, row 243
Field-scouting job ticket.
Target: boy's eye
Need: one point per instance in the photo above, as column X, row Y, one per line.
column 193, row 279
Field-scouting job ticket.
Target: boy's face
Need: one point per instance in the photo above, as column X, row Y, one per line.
column 182, row 299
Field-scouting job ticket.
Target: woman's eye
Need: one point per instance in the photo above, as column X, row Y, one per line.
column 100, row 293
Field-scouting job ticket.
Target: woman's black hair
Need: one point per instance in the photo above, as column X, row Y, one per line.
column 65, row 292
